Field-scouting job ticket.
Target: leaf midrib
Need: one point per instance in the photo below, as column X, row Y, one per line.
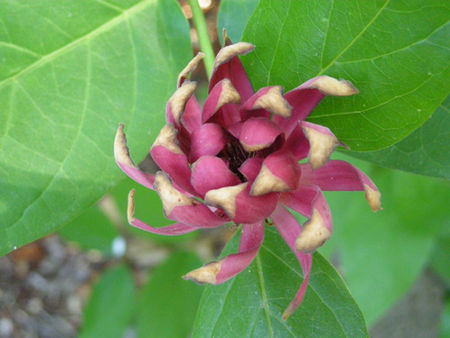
column 97, row 31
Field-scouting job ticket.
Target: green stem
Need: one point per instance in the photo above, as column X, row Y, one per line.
column 203, row 37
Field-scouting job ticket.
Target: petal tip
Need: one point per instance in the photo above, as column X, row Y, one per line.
column 205, row 274
column 178, row 100
column 322, row 144
column 274, row 102
column 130, row 207
column 267, row 182
column 225, row 198
column 373, row 197
column 313, row 235
column 170, row 197
column 191, row 66
column 121, row 152
column 228, row 52
column 331, row 86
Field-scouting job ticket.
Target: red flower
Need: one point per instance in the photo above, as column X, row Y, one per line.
column 237, row 160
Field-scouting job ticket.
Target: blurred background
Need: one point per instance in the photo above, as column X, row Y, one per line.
column 96, row 268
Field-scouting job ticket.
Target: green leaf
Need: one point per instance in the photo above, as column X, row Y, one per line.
column 110, row 308
column 91, row 231
column 381, row 254
column 71, row 71
column 444, row 329
column 395, row 52
column 168, row 303
column 440, row 255
column 251, row 304
column 233, row 16
column 424, row 152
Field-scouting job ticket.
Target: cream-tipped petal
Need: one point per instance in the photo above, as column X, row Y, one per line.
column 167, row 138
column 121, row 152
column 170, row 197
column 331, row 86
column 228, row 94
column 373, row 197
column 313, row 234
column 178, row 100
column 191, row 66
column 205, row 274
column 322, row 144
column 267, row 182
column 228, row 52
column 130, row 207
column 225, row 198
column 273, row 102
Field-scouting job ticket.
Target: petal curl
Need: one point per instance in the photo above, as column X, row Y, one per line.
column 171, row 159
column 307, row 96
column 222, row 94
column 170, row 230
column 252, row 237
column 177, row 102
column 240, row 206
column 124, row 161
column 342, row 176
column 228, row 66
column 269, row 99
column 310, row 202
column 209, row 139
column 191, row 66
column 210, row 172
column 251, row 167
column 279, row 173
column 297, row 143
column 258, row 133
column 184, row 209
column 322, row 143
column 289, row 229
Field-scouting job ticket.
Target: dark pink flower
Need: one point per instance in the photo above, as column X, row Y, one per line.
column 236, row 160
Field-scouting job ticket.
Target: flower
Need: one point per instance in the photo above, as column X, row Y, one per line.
column 237, row 160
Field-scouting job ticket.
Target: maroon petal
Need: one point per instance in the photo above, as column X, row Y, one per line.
column 297, row 143
column 289, row 229
column 279, row 173
column 307, row 96
column 124, row 161
column 258, row 133
column 184, row 209
column 209, row 139
column 252, row 237
column 170, row 230
column 268, row 99
column 322, row 143
column 342, row 176
column 310, row 202
column 177, row 103
column 251, row 167
column 222, row 94
column 239, row 205
column 228, row 66
column 210, row 173
column 171, row 159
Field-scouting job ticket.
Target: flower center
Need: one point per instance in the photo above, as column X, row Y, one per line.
column 235, row 155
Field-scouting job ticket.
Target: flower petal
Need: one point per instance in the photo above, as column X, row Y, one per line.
column 289, row 229
column 342, row 176
column 322, row 143
column 258, row 133
column 222, row 94
column 252, row 237
column 171, row 159
column 191, row 66
column 210, row 172
column 297, row 143
column 251, row 167
column 239, row 205
column 209, row 139
column 228, row 66
column 269, row 99
column 170, row 230
column 184, row 209
column 278, row 173
column 124, row 161
column 310, row 202
column 307, row 96
column 177, row 102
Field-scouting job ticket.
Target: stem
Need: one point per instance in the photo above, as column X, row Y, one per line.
column 203, row 37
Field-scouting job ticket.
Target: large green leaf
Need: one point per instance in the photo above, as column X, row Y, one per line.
column 251, row 304
column 381, row 254
column 233, row 16
column 395, row 52
column 168, row 304
column 423, row 152
column 70, row 72
column 111, row 306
